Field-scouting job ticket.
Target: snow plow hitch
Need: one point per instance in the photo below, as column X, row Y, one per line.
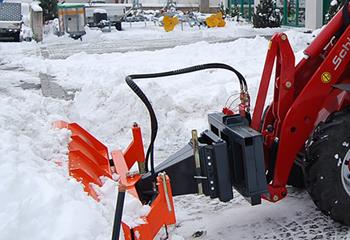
column 202, row 166
column 227, row 155
column 219, row 167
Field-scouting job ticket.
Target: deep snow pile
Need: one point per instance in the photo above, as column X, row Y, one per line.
column 37, row 198
column 152, row 31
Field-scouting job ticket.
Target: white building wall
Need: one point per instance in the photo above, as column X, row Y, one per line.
column 313, row 14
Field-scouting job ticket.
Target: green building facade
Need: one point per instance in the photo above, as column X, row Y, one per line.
column 292, row 11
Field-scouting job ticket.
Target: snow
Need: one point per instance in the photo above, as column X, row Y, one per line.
column 36, row 194
column 101, row 78
column 35, row 6
column 100, row 10
column 152, row 32
column 38, row 200
column 133, row 209
column 334, row 3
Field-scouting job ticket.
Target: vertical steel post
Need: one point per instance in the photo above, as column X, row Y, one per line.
column 118, row 212
column 196, row 159
column 326, row 4
column 285, row 12
column 250, row 10
column 297, row 13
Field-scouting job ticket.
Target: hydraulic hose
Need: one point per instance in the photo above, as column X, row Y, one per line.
column 154, row 123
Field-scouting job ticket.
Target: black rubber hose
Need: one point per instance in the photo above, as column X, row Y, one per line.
column 153, row 119
column 154, row 124
column 241, row 79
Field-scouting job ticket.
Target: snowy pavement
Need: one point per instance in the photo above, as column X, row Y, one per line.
column 293, row 218
column 38, row 200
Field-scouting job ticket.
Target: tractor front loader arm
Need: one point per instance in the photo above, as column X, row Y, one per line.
column 303, row 96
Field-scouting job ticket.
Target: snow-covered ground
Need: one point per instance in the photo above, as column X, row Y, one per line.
column 38, row 200
column 145, row 36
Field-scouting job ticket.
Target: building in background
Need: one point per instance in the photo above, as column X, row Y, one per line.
column 212, row 5
column 296, row 13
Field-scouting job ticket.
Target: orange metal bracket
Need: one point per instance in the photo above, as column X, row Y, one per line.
column 134, row 152
column 88, row 161
column 162, row 213
column 125, row 177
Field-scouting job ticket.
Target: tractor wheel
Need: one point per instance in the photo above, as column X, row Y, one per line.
column 296, row 177
column 327, row 166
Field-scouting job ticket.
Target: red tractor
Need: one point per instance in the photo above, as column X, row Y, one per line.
column 301, row 138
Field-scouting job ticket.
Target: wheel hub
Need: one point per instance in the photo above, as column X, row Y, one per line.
column 345, row 173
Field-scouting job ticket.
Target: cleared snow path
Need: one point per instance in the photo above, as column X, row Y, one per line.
column 149, row 38
column 50, row 88
column 59, row 52
column 296, row 217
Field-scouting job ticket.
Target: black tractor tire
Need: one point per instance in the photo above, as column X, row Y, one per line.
column 325, row 153
column 296, row 177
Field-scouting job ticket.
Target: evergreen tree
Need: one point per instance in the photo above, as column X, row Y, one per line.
column 266, row 15
column 49, row 9
column 231, row 12
column 334, row 7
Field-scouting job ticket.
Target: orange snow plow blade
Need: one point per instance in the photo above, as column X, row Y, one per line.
column 89, row 160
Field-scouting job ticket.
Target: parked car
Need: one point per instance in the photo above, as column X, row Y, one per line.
column 104, row 15
column 10, row 21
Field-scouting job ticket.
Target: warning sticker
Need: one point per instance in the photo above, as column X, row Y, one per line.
column 326, row 77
